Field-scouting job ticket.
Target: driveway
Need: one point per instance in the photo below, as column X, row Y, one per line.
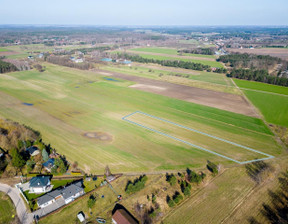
column 22, row 213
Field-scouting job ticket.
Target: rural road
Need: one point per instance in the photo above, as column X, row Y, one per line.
column 22, row 213
column 220, row 100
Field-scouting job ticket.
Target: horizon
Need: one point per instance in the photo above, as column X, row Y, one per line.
column 148, row 13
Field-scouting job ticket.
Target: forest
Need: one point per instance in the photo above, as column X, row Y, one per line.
column 205, row 51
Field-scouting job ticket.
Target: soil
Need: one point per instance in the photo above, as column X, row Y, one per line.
column 99, row 136
column 220, row 100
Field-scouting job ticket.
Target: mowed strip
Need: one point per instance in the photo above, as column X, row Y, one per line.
column 197, row 139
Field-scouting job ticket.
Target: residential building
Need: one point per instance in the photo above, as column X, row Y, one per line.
column 33, row 151
column 49, row 164
column 40, row 184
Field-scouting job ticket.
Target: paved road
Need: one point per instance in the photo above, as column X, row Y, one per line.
column 24, row 216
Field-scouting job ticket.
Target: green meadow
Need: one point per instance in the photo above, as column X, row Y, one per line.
column 3, row 49
column 272, row 101
column 169, row 51
column 159, row 57
column 68, row 103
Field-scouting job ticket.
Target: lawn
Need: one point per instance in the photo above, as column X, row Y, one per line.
column 7, row 209
column 273, row 107
column 60, row 183
column 157, row 50
column 67, row 103
column 3, row 49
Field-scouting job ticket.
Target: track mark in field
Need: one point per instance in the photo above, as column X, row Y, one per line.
column 126, row 118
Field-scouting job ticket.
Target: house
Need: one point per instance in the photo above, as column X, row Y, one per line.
column 40, row 184
column 49, row 164
column 121, row 216
column 72, row 192
column 49, row 198
column 33, row 151
column 61, row 196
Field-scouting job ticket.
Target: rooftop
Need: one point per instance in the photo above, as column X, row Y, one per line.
column 39, row 181
column 122, row 217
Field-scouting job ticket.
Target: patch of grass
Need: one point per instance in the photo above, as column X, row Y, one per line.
column 60, row 183
column 261, row 86
column 3, row 49
column 273, row 107
column 7, row 209
column 157, row 50
column 31, row 196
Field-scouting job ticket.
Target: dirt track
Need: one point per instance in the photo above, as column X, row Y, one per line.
column 220, row 100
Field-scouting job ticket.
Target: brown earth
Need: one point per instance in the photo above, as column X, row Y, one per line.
column 6, row 53
column 275, row 52
column 220, row 100
column 99, row 136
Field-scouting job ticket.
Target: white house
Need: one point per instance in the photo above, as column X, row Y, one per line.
column 40, row 184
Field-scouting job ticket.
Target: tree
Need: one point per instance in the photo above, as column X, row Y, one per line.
column 45, row 155
column 91, row 201
column 17, row 159
column 30, row 165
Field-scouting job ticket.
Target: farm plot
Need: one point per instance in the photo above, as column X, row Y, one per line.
column 80, row 114
column 271, row 100
column 197, row 139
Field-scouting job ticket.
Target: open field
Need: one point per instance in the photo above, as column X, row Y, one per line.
column 220, row 100
column 199, row 140
column 66, row 103
column 232, row 197
column 271, row 100
column 259, row 86
column 159, row 56
column 275, row 52
column 3, row 49
column 161, row 72
column 170, row 51
column 7, row 209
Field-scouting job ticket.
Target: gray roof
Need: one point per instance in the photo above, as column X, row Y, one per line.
column 66, row 192
column 48, row 197
column 39, row 181
column 71, row 190
column 32, row 149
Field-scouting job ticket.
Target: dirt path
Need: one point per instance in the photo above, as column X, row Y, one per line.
column 24, row 216
column 172, row 56
column 220, row 100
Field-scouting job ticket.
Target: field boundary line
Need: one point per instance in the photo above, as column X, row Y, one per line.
column 125, row 118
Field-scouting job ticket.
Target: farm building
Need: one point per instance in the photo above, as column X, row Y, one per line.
column 123, row 217
column 40, row 184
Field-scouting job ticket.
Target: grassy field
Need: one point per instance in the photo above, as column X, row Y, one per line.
column 265, row 97
column 67, row 103
column 3, row 49
column 231, row 197
column 7, row 209
column 209, row 77
column 158, row 57
column 170, row 51
column 261, row 86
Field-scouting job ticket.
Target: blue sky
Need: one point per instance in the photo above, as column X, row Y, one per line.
column 148, row 12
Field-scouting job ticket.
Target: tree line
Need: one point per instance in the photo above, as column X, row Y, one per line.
column 7, row 67
column 169, row 63
column 205, row 51
column 251, row 61
column 258, row 76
